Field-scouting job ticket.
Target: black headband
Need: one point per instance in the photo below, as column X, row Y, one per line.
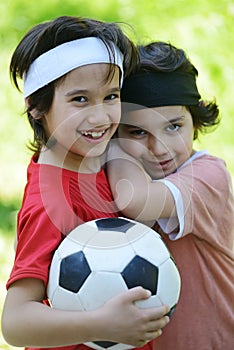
column 155, row 89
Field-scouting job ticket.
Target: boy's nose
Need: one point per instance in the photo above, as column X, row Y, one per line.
column 98, row 115
column 157, row 147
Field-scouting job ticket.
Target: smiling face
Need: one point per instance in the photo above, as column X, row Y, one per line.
column 160, row 138
column 85, row 113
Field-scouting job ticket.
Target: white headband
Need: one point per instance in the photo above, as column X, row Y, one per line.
column 63, row 58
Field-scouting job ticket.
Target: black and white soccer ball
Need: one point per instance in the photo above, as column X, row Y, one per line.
column 104, row 257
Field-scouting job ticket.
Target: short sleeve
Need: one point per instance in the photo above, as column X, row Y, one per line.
column 204, row 200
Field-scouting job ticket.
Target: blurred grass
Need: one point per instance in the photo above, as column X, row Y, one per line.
column 203, row 28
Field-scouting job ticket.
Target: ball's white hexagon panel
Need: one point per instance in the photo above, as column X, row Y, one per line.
column 65, row 300
column 109, row 259
column 169, row 283
column 151, row 247
column 100, row 287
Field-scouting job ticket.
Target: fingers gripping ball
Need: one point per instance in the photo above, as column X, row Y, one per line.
column 104, row 257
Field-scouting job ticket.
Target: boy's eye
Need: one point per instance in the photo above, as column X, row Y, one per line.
column 173, row 127
column 80, row 99
column 111, row 97
column 138, row 132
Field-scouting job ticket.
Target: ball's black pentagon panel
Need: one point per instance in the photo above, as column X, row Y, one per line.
column 105, row 344
column 114, row 224
column 140, row 272
column 171, row 311
column 74, row 270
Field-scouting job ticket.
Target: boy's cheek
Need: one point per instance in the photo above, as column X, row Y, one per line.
column 134, row 148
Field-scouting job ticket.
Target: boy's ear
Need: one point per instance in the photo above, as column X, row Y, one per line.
column 33, row 112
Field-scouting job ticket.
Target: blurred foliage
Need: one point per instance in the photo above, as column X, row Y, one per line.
column 7, row 216
column 203, row 28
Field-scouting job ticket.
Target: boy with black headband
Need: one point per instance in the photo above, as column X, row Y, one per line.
column 72, row 70
column 156, row 175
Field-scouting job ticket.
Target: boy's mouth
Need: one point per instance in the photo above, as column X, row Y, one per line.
column 93, row 134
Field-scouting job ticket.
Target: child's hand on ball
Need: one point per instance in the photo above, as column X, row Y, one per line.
column 126, row 323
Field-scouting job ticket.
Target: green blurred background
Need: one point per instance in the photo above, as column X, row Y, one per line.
column 203, row 28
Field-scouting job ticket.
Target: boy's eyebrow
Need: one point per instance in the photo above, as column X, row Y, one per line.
column 76, row 92
column 174, row 120
column 84, row 91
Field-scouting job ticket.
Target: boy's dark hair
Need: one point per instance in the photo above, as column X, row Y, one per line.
column 45, row 36
column 164, row 57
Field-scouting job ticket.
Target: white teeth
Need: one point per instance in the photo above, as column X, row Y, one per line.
column 93, row 134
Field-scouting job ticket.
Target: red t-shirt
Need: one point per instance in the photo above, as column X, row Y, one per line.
column 56, row 201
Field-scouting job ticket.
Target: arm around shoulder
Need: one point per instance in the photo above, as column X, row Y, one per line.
column 135, row 194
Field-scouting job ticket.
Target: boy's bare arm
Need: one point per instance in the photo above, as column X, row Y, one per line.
column 134, row 193
column 28, row 322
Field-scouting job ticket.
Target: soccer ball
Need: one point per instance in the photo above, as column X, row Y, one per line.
column 104, row 257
